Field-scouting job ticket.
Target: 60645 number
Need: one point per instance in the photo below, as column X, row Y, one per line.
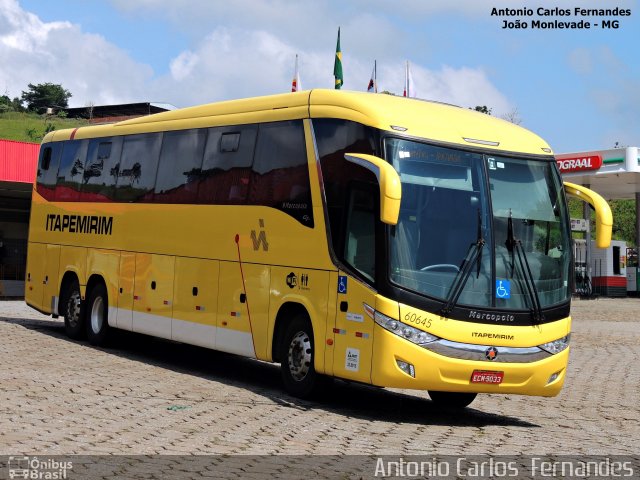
column 417, row 319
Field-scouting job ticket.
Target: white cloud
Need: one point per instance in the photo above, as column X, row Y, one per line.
column 23, row 31
column 93, row 69
column 183, row 65
column 228, row 62
column 239, row 63
column 466, row 87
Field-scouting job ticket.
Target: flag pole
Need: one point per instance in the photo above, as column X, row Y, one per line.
column 375, row 77
column 406, row 79
column 337, row 65
column 295, row 83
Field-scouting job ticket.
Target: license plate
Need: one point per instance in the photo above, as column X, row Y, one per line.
column 487, row 376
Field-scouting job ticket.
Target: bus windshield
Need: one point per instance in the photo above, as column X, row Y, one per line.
column 493, row 229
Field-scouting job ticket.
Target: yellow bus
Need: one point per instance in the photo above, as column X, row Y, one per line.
column 385, row 240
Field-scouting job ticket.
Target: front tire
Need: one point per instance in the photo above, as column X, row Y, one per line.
column 73, row 311
column 296, row 355
column 456, row 400
column 97, row 312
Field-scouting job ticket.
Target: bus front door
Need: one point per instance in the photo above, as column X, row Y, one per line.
column 353, row 330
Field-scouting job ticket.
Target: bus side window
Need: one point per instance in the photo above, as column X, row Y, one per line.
column 48, row 169
column 334, row 138
column 226, row 167
column 280, row 176
column 136, row 171
column 99, row 176
column 360, row 239
column 180, row 166
column 71, row 168
column 46, row 159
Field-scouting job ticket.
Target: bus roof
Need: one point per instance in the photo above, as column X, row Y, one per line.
column 416, row 118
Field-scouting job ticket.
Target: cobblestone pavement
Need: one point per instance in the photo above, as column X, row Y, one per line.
column 146, row 395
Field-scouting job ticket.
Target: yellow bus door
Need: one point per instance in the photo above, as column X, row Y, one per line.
column 51, row 286
column 353, row 330
column 153, row 294
column 195, row 301
column 35, row 274
column 236, row 332
column 124, row 301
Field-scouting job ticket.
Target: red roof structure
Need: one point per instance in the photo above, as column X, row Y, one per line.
column 18, row 161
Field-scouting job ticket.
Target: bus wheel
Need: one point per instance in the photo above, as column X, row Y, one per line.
column 298, row 374
column 452, row 399
column 72, row 310
column 97, row 315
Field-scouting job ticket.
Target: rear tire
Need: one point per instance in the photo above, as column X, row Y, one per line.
column 97, row 315
column 73, row 311
column 456, row 400
column 296, row 356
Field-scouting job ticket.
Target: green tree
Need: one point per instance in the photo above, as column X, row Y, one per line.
column 5, row 104
column 481, row 109
column 624, row 220
column 45, row 95
column 17, row 104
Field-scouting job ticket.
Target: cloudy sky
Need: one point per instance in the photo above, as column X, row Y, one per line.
column 579, row 89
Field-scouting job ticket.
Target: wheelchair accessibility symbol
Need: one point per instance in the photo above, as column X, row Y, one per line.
column 342, row 284
column 503, row 289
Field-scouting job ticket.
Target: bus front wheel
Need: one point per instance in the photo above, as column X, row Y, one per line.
column 296, row 355
column 97, row 315
column 452, row 399
column 72, row 310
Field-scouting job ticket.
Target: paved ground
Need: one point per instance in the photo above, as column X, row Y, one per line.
column 151, row 396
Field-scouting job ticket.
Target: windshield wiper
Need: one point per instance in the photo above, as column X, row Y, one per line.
column 474, row 255
column 514, row 246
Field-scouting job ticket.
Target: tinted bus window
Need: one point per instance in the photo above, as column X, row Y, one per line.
column 180, row 167
column 48, row 169
column 226, row 168
column 280, row 177
column 136, row 171
column 334, row 138
column 99, row 176
column 74, row 153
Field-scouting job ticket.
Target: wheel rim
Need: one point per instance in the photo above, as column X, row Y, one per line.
column 97, row 315
column 73, row 309
column 299, row 356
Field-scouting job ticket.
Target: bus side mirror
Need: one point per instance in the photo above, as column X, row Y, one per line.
column 604, row 218
column 388, row 181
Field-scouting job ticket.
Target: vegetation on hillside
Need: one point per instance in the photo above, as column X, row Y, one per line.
column 43, row 96
column 37, row 112
column 624, row 219
column 31, row 127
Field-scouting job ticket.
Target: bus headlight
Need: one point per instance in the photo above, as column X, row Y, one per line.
column 405, row 331
column 556, row 346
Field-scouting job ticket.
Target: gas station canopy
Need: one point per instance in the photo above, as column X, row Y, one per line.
column 614, row 174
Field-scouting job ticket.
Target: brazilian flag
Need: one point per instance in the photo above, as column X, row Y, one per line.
column 337, row 66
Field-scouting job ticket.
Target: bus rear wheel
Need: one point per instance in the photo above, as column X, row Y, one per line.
column 97, row 315
column 72, row 311
column 452, row 399
column 296, row 355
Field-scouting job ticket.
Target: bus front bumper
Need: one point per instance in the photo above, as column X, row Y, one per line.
column 433, row 371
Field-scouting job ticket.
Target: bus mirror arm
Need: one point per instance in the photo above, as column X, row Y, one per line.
column 604, row 218
column 388, row 182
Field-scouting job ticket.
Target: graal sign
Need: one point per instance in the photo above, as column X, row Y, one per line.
column 578, row 164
